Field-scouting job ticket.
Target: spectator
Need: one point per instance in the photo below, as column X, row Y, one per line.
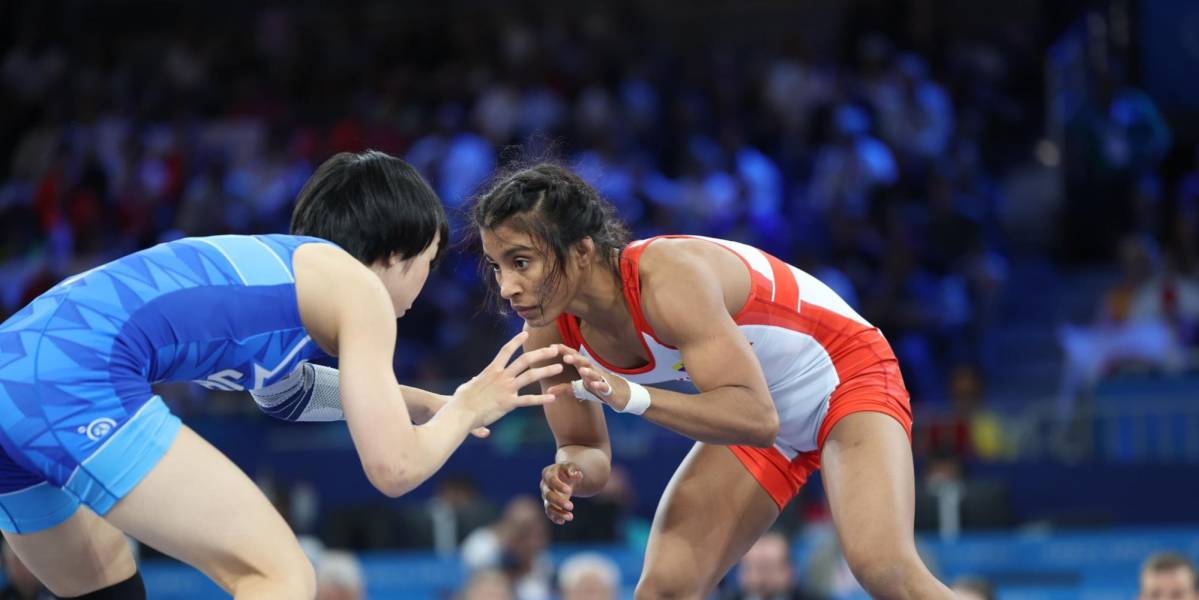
column 455, row 510
column 766, row 572
column 516, row 545
column 487, row 584
column 849, row 170
column 589, row 576
column 1168, row 576
column 1118, row 135
column 339, row 577
column 1142, row 320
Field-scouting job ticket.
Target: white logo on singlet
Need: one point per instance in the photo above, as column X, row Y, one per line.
column 98, row 428
column 261, row 373
column 223, row 381
column 227, row 380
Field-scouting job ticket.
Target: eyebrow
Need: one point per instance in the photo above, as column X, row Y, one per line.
column 510, row 251
column 516, row 250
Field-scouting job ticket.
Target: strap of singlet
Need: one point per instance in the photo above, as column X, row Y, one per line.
column 630, row 256
column 630, row 276
column 568, row 329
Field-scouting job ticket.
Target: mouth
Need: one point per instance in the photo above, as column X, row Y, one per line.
column 525, row 311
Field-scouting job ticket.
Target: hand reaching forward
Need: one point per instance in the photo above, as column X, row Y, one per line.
column 496, row 389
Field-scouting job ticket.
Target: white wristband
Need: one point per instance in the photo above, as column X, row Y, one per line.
column 638, row 399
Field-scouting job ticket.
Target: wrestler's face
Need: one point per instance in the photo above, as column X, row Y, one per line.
column 530, row 279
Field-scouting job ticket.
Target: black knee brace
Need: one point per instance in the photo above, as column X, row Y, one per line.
column 130, row 589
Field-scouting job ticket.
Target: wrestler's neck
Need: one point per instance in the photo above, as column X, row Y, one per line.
column 599, row 300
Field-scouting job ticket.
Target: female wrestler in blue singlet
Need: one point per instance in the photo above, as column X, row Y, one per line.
column 87, row 451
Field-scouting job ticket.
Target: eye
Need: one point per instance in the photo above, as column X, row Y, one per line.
column 494, row 267
column 521, row 263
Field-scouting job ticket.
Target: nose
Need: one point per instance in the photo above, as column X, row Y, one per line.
column 508, row 286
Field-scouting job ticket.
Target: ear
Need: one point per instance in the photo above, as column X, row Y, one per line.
column 386, row 263
column 584, row 250
column 403, row 263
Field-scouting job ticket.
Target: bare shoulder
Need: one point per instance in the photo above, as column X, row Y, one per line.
column 327, row 270
column 323, row 260
column 697, row 274
column 665, row 253
column 688, row 258
column 331, row 285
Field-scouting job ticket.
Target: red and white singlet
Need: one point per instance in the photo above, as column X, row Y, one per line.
column 821, row 359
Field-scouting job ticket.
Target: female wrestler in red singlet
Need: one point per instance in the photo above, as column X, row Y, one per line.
column 790, row 379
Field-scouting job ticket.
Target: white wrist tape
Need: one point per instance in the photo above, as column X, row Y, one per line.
column 638, row 396
column 638, row 399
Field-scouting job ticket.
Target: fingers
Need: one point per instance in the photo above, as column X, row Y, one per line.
column 533, row 400
column 600, row 388
column 573, row 357
column 481, row 433
column 566, row 475
column 558, row 500
column 509, row 349
column 557, row 514
column 560, row 479
column 537, row 374
column 571, row 474
column 531, row 358
column 595, row 381
column 556, row 491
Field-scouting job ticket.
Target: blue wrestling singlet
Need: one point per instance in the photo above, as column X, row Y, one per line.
column 78, row 421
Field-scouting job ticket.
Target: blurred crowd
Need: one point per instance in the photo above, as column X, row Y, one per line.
column 867, row 168
column 875, row 167
column 1126, row 203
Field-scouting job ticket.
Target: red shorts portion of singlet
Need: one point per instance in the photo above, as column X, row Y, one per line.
column 875, row 386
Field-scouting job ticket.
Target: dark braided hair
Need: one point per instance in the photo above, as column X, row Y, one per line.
column 557, row 208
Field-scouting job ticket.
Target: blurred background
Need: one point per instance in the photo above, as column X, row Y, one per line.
column 1008, row 188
